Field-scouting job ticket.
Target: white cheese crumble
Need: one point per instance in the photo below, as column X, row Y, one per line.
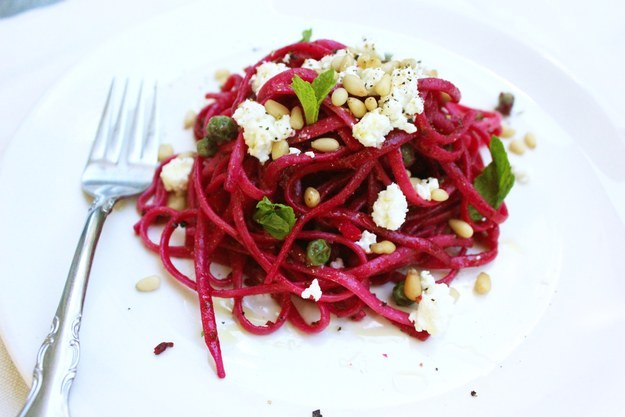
column 294, row 151
column 260, row 129
column 389, row 210
column 371, row 77
column 403, row 102
column 366, row 240
column 436, row 307
column 264, row 72
column 310, row 154
column 372, row 129
column 354, row 70
column 337, row 263
column 324, row 63
column 424, row 187
column 313, row 291
column 175, row 174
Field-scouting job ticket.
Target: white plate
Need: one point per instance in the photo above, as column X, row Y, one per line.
column 552, row 323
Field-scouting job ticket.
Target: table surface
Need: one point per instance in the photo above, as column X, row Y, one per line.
column 37, row 50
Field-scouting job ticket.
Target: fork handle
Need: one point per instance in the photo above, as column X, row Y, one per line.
column 57, row 359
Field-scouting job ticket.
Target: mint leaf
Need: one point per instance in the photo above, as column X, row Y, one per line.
column 306, row 35
column 496, row 180
column 307, row 97
column 276, row 219
column 323, row 84
column 311, row 95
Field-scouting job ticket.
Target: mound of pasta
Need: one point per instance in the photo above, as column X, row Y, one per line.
column 325, row 171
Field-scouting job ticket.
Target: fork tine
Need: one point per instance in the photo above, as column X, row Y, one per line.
column 133, row 150
column 104, row 127
column 149, row 148
column 115, row 140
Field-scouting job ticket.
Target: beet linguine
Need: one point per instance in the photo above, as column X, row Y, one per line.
column 293, row 213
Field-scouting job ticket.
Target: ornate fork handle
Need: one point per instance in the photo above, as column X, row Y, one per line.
column 58, row 356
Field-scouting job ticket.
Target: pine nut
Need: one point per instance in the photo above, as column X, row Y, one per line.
column 388, row 67
column 221, row 75
column 461, row 228
column 186, row 154
column 177, row 201
column 454, row 293
column 339, row 97
column 432, row 73
column 517, row 147
column 383, row 247
column 147, row 284
column 337, row 61
column 409, row 62
column 297, row 118
column 325, row 145
column 276, row 109
column 412, row 285
column 189, row 119
column 371, row 103
column 439, row 194
column 279, row 149
column 341, row 62
column 357, row 107
column 311, row 197
column 482, row 283
column 354, row 85
column 368, row 61
column 507, row 132
column 165, row 150
column 347, row 62
column 383, row 87
column 530, row 140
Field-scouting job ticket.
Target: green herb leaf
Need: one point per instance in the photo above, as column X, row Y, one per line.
column 399, row 296
column 306, row 35
column 276, row 219
column 307, row 97
column 317, row 252
column 496, row 181
column 312, row 95
column 323, row 84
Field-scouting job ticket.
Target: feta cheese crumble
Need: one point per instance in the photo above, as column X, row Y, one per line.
column 294, row 151
column 371, row 76
column 403, row 102
column 175, row 174
column 389, row 210
column 313, row 291
column 260, row 129
column 324, row 63
column 337, row 263
column 424, row 187
column 264, row 72
column 436, row 307
column 309, row 154
column 366, row 240
column 372, row 129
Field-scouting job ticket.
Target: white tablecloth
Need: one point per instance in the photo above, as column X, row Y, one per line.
column 38, row 47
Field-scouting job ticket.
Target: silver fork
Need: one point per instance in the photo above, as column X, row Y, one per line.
column 121, row 164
